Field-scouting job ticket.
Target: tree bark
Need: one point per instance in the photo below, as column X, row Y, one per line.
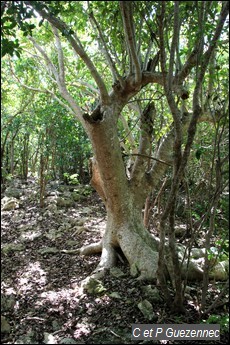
column 124, row 227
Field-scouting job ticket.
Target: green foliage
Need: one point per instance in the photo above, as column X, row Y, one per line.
column 220, row 251
column 53, row 133
column 71, row 179
column 14, row 15
column 222, row 320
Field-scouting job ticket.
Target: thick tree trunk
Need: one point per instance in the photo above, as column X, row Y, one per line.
column 125, row 230
column 123, row 201
column 139, row 247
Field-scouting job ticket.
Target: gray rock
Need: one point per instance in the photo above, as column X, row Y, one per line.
column 48, row 250
column 5, row 327
column 55, row 325
column 220, row 271
column 116, row 272
column 68, row 341
column 12, row 247
column 13, row 192
column 65, row 202
column 9, row 203
column 152, row 294
column 147, row 309
column 49, row 338
column 7, row 302
column 94, row 286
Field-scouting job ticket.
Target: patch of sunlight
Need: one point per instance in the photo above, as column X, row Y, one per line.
column 56, row 296
column 31, row 235
column 82, row 329
column 31, row 275
column 7, row 288
column 105, row 299
column 76, row 214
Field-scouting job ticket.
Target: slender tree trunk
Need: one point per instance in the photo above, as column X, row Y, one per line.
column 12, row 157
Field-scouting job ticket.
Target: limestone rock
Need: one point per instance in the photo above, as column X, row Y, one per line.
column 49, row 338
column 116, row 272
column 65, row 202
column 9, row 203
column 48, row 250
column 13, row 192
column 147, row 309
column 94, row 286
column 5, row 327
column 152, row 294
column 68, row 341
column 220, row 271
column 7, row 302
column 12, row 247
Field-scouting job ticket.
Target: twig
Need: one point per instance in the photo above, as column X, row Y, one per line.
column 215, row 304
column 32, row 318
column 146, row 156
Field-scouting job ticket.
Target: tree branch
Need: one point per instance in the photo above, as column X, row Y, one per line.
column 60, row 82
column 78, row 48
column 142, row 165
column 115, row 73
column 49, row 63
column 17, row 113
column 150, row 46
column 60, row 56
column 93, row 91
column 128, row 24
column 175, row 40
column 148, row 157
column 128, row 132
column 45, row 91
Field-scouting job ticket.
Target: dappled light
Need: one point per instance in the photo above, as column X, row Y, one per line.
column 30, row 277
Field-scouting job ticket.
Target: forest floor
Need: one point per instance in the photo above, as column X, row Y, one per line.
column 42, row 299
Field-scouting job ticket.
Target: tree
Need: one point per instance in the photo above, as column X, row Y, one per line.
column 150, row 50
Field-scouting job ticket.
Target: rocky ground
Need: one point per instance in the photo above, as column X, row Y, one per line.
column 42, row 301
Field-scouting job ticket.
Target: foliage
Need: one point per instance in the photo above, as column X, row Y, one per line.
column 222, row 320
column 52, row 132
column 71, row 179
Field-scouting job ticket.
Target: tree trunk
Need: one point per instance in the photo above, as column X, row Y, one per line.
column 124, row 200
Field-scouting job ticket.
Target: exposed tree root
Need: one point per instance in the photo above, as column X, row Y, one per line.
column 94, row 248
column 144, row 264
